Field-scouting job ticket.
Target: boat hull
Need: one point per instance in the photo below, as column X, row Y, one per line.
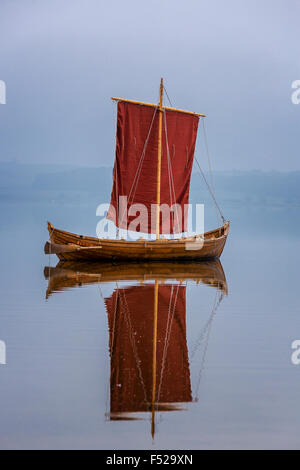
column 70, row 246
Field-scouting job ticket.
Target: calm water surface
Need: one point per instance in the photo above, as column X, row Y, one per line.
column 78, row 365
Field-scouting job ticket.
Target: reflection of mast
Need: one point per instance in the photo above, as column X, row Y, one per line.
column 154, row 358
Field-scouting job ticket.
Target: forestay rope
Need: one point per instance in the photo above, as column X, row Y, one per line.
column 211, row 192
column 209, row 186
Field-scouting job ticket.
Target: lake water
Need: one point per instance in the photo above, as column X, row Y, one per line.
column 235, row 385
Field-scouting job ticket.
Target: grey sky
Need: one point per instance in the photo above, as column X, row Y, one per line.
column 234, row 61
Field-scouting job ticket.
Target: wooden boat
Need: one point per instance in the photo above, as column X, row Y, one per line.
column 149, row 356
column 69, row 246
column 155, row 147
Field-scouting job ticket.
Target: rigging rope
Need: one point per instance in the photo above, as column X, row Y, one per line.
column 100, row 290
column 211, row 192
column 211, row 189
column 208, row 155
column 168, row 96
column 208, row 159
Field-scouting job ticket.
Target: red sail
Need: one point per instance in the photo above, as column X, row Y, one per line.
column 135, row 170
column 130, row 317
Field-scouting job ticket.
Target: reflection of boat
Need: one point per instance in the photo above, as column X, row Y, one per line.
column 72, row 274
column 155, row 148
column 149, row 359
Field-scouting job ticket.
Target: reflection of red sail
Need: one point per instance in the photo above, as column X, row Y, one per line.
column 130, row 316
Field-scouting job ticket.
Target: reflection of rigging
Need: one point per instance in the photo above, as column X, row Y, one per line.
column 149, row 359
column 204, row 338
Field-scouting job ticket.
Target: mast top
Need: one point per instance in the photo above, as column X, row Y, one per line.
column 161, row 92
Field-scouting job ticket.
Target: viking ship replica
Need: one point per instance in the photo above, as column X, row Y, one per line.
column 149, row 373
column 155, row 147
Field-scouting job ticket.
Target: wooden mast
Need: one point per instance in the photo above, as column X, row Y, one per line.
column 160, row 110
